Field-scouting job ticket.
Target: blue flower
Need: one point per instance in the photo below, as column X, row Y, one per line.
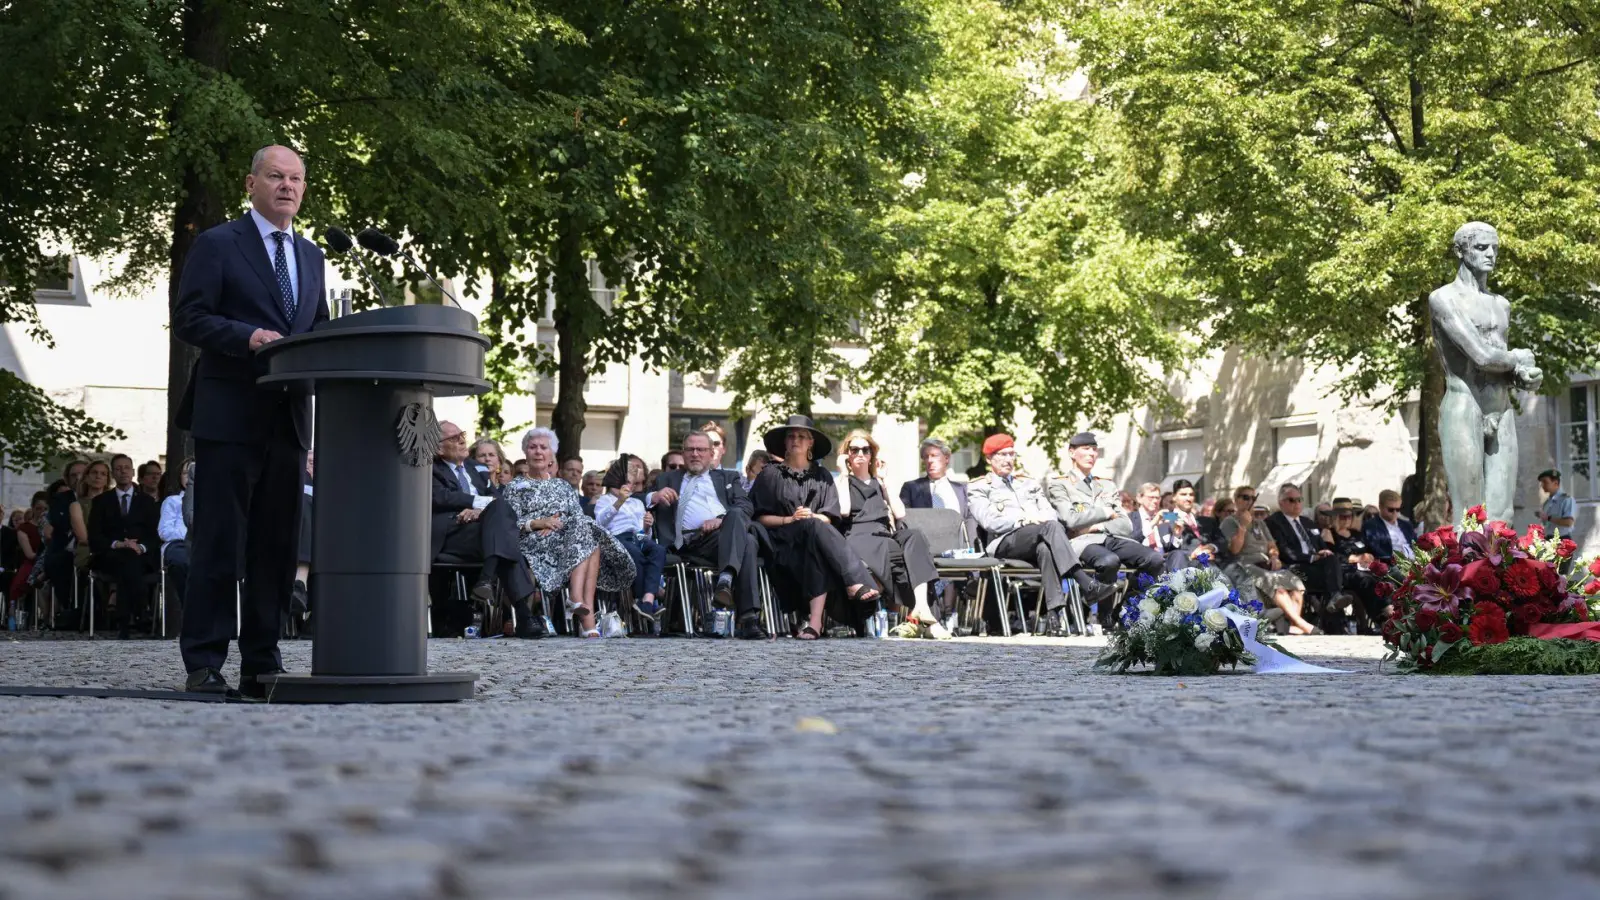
column 1143, row 581
column 1202, row 559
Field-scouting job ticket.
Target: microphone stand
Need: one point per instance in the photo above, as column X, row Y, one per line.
column 412, row 260
column 371, row 280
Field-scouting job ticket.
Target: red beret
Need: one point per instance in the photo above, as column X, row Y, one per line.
column 994, row 443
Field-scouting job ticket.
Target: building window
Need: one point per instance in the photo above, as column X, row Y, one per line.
column 679, row 426
column 1295, row 444
column 1185, row 458
column 1575, row 439
column 56, row 282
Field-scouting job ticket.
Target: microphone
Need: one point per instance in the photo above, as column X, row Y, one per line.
column 339, row 242
column 383, row 245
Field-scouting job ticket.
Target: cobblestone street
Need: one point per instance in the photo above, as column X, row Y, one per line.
column 689, row 768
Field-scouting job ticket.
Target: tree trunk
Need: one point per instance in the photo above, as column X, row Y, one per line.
column 576, row 317
column 805, row 372
column 1431, row 508
column 199, row 207
column 491, row 407
column 999, row 406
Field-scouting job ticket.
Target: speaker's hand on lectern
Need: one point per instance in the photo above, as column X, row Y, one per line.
column 262, row 336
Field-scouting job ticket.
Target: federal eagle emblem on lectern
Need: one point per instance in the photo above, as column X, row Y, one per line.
column 417, row 434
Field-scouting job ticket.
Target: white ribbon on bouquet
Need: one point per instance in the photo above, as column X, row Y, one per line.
column 1269, row 661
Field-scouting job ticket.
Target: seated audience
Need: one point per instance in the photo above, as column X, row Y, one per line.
column 519, row 469
column 936, row 489
column 758, row 460
column 1210, row 521
column 719, row 443
column 124, row 539
column 572, row 472
column 1300, row 544
column 1091, row 509
column 149, row 480
column 470, row 523
column 487, row 453
column 1386, row 532
column 66, row 531
column 1174, row 533
column 671, row 461
column 704, row 515
column 96, row 481
column 621, row 513
column 10, row 555
column 173, row 529
column 1350, row 547
column 1018, row 523
column 562, row 546
column 871, row 519
column 795, row 499
column 594, row 486
column 1253, row 562
column 25, row 525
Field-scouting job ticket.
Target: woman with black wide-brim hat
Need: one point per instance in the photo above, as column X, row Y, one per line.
column 795, row 499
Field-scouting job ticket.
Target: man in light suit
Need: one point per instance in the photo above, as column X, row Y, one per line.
column 245, row 283
column 936, row 489
column 470, row 522
column 1091, row 509
column 703, row 515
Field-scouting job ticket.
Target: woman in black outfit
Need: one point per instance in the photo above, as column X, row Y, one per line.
column 796, row 501
column 1350, row 546
column 896, row 555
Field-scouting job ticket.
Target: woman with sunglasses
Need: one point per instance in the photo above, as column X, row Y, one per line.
column 795, row 500
column 1350, row 545
column 897, row 556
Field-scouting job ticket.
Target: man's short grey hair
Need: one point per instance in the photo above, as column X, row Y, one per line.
column 1465, row 233
column 555, row 442
column 1149, row 486
column 1286, row 487
column 934, row 442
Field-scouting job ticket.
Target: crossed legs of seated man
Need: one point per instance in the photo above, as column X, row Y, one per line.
column 730, row 548
column 492, row 538
column 1110, row 555
column 126, row 568
column 1047, row 545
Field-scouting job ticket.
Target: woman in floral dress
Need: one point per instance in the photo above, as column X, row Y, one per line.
column 561, row 544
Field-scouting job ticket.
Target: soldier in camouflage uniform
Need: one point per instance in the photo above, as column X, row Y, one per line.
column 1091, row 509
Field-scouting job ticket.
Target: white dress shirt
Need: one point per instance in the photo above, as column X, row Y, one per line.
column 944, row 493
column 267, row 228
column 626, row 519
column 697, row 502
column 1397, row 538
column 479, row 501
column 172, row 527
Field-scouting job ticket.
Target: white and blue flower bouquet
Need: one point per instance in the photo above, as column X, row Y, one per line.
column 1193, row 622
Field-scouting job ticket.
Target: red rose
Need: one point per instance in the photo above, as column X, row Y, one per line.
column 1444, row 531
column 1426, row 619
column 1429, row 542
column 1477, row 512
column 1449, row 632
column 1566, row 548
column 1391, row 632
column 1592, row 587
column 1594, row 567
column 1523, row 616
column 1507, row 532
column 1488, row 625
column 1380, row 568
column 1495, row 526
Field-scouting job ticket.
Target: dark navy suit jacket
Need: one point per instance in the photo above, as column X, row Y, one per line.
column 227, row 291
column 1377, row 535
column 918, row 494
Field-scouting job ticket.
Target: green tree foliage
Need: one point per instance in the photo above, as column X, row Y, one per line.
column 36, row 431
column 128, row 125
column 1313, row 159
column 1011, row 281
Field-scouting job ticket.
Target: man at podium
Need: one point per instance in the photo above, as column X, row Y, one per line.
column 245, row 283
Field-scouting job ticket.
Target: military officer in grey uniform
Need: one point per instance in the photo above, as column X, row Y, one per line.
column 1091, row 510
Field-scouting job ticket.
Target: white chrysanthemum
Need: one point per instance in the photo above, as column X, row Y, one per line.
column 1203, row 640
column 1149, row 606
column 1186, row 603
column 1216, row 619
column 1172, row 616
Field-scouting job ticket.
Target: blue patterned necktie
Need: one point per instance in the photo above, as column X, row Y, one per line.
column 466, row 483
column 280, row 265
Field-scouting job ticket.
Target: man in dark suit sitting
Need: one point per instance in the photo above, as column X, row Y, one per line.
column 1388, row 532
column 703, row 515
column 245, row 284
column 1168, row 532
column 935, row 489
column 470, row 523
column 123, row 539
column 1300, row 545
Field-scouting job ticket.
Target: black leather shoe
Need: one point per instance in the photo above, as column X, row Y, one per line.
column 206, row 681
column 750, row 628
column 723, row 599
column 484, row 589
column 251, row 686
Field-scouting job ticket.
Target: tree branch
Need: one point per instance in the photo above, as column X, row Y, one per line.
column 1383, row 113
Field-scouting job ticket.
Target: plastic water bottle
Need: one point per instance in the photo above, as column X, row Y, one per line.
column 476, row 628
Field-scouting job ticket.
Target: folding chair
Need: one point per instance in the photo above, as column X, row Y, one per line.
column 458, row 568
column 945, row 531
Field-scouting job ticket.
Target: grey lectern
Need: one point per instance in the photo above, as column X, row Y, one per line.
column 375, row 375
